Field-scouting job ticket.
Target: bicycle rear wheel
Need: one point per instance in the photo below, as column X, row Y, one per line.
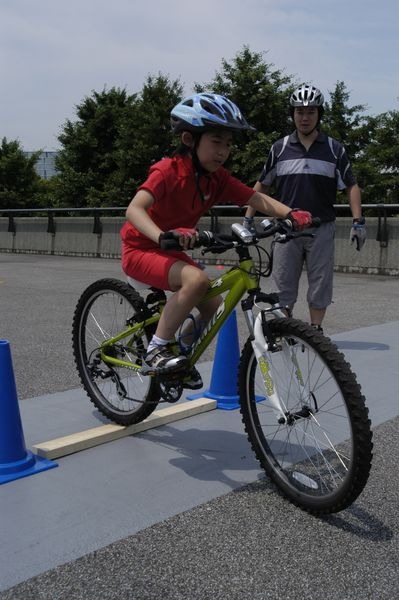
column 103, row 311
column 318, row 453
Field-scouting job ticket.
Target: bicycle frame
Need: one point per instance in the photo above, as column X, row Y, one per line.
column 238, row 280
column 234, row 284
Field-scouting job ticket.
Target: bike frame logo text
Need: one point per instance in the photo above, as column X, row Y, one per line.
column 217, row 283
column 219, row 312
column 264, row 369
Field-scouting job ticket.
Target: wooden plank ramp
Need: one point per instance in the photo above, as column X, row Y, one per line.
column 89, row 438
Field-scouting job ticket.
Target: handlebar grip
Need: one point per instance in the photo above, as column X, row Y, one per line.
column 169, row 241
column 316, row 222
column 170, row 245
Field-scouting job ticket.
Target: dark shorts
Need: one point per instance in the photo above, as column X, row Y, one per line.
column 318, row 255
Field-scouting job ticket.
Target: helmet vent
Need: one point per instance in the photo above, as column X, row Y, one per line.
column 201, row 112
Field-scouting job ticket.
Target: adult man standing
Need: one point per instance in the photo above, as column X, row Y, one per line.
column 306, row 169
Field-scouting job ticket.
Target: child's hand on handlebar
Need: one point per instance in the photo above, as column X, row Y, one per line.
column 300, row 219
column 183, row 238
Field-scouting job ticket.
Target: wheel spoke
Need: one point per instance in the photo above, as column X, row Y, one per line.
column 310, row 456
column 102, row 313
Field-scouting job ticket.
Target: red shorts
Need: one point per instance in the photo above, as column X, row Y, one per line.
column 152, row 266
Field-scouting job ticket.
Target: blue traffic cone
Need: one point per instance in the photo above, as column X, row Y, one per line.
column 223, row 386
column 15, row 460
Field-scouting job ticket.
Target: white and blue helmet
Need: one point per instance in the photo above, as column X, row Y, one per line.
column 201, row 112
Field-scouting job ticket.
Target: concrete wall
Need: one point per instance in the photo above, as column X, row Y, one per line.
column 74, row 236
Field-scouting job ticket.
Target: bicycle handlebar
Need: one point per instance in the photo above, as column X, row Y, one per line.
column 218, row 243
column 222, row 242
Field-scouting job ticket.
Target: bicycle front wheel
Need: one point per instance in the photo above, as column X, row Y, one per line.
column 106, row 309
column 318, row 448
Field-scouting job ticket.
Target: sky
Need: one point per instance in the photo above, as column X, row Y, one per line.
column 54, row 53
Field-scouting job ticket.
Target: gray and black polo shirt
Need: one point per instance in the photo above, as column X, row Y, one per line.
column 308, row 179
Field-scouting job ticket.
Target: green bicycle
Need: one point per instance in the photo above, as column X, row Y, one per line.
column 301, row 405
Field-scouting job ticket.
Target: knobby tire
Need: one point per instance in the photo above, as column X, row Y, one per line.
column 320, row 457
column 102, row 311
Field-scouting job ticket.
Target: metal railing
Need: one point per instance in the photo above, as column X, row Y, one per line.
column 50, row 213
column 381, row 210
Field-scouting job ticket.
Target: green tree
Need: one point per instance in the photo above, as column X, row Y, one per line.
column 19, row 182
column 262, row 93
column 145, row 135
column 372, row 143
column 344, row 122
column 378, row 164
column 108, row 150
column 47, row 190
column 87, row 159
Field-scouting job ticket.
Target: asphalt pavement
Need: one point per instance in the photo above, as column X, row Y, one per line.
column 184, row 512
column 38, row 295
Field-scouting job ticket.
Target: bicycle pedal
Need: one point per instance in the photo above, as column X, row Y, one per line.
column 161, row 371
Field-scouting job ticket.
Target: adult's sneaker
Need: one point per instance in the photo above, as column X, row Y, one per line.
column 161, row 359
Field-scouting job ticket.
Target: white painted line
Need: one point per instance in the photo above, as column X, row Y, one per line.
column 107, row 433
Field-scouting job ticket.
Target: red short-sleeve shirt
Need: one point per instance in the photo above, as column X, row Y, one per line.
column 177, row 200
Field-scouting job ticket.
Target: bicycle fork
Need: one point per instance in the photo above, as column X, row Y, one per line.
column 264, row 345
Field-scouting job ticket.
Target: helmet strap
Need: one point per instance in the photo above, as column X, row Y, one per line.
column 198, row 168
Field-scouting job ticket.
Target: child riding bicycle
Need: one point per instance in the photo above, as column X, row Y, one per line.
column 177, row 193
